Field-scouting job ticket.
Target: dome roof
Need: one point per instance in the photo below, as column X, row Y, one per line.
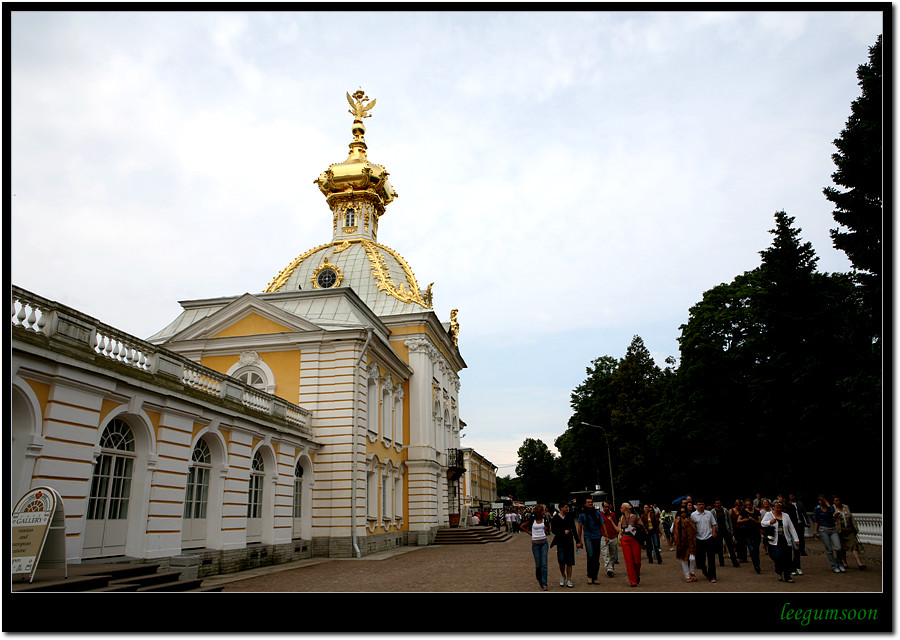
column 357, row 192
column 376, row 273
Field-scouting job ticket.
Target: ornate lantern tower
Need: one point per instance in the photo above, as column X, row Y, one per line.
column 357, row 191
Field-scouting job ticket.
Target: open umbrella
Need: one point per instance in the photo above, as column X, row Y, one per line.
column 678, row 500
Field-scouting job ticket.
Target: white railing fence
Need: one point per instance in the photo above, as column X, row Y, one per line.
column 870, row 527
column 54, row 321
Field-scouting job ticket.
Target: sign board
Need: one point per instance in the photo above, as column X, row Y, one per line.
column 496, row 505
column 37, row 519
column 530, row 503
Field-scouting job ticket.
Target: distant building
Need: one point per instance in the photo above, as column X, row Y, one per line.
column 317, row 418
column 481, row 480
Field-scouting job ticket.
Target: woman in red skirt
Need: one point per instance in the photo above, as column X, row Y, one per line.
column 631, row 548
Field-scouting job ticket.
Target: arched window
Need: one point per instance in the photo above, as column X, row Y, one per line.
column 255, row 499
column 298, row 490
column 197, row 491
column 196, row 497
column 107, row 510
column 255, row 493
column 111, row 484
column 253, row 377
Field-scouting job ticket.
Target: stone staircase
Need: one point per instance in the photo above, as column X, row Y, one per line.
column 95, row 578
column 470, row 535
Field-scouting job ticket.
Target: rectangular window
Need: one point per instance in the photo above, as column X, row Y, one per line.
column 298, row 492
column 254, row 496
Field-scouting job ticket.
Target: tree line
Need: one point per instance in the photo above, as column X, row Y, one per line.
column 779, row 385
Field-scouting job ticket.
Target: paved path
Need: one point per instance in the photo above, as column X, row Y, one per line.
column 507, row 567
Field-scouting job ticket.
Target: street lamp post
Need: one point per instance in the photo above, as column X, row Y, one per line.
column 612, row 486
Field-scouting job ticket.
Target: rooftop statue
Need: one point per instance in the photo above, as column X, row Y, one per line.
column 357, row 110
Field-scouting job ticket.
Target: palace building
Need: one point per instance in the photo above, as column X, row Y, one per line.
column 319, row 417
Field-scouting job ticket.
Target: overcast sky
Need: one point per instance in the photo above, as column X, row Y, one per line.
column 567, row 180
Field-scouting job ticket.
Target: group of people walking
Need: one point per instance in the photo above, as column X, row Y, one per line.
column 698, row 535
column 594, row 530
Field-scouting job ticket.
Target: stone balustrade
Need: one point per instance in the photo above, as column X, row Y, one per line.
column 870, row 527
column 36, row 315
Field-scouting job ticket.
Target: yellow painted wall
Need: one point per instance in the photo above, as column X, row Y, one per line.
column 286, row 367
column 252, row 325
column 284, row 364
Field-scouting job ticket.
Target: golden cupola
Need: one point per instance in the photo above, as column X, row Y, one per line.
column 357, row 191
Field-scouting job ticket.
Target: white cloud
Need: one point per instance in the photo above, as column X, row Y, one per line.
column 567, row 180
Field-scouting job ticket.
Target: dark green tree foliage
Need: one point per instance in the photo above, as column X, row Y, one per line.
column 537, row 473
column 621, row 396
column 507, row 486
column 768, row 372
column 637, row 393
column 708, row 415
column 582, row 449
column 860, row 171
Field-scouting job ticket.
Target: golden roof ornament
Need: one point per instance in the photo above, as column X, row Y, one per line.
column 357, row 110
column 356, row 176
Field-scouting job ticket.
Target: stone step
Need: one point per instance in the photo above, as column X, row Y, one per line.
column 77, row 583
column 173, row 585
column 149, row 579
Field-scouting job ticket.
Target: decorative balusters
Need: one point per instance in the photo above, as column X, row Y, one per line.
column 29, row 315
column 256, row 400
column 116, row 348
column 33, row 313
column 871, row 527
column 202, row 380
column 293, row 415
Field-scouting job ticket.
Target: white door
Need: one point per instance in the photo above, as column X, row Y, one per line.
column 196, row 497
column 255, row 500
column 297, row 510
column 106, row 526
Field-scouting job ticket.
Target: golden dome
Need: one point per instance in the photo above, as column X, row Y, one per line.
column 357, row 192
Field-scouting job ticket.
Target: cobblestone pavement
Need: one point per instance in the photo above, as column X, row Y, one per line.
column 508, row 566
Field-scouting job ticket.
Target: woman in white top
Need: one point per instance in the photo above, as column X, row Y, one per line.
column 783, row 539
column 539, row 526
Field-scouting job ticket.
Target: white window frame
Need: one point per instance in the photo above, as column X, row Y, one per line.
column 387, row 409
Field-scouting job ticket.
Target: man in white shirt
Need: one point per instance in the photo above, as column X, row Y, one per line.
column 705, row 522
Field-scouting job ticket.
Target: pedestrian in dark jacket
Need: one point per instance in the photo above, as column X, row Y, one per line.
column 565, row 537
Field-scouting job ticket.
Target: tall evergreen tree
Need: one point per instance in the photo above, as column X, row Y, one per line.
column 636, row 388
column 582, row 450
column 860, row 171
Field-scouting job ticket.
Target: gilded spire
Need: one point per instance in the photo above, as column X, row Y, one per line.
column 357, row 191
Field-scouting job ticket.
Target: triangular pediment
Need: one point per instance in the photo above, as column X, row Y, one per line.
column 247, row 315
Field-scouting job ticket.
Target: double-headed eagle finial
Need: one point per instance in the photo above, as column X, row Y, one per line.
column 357, row 109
